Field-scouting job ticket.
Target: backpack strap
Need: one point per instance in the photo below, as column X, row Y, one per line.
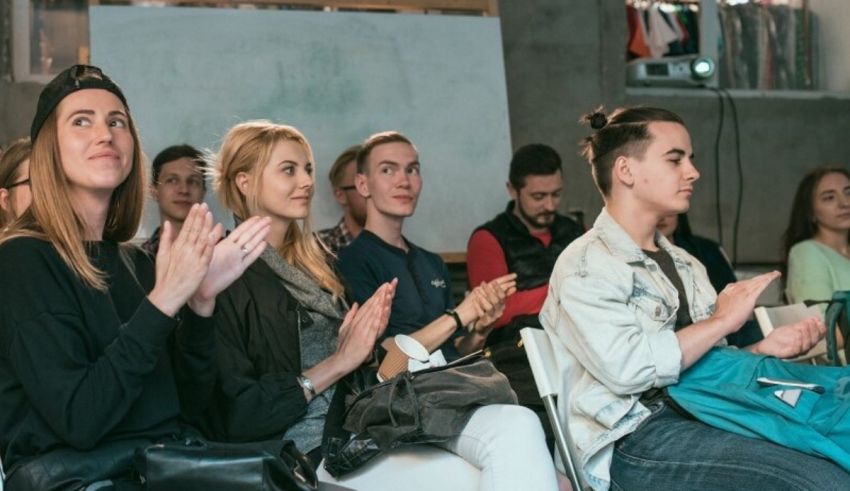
column 839, row 305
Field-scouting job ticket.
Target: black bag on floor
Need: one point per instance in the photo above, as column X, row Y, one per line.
column 65, row 469
column 195, row 464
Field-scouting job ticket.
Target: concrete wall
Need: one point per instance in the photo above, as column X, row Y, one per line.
column 17, row 107
column 564, row 57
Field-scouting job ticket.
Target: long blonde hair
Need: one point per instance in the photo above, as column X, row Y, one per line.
column 51, row 219
column 247, row 148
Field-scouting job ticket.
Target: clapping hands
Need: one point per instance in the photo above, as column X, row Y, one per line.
column 195, row 266
column 488, row 302
column 364, row 325
column 231, row 257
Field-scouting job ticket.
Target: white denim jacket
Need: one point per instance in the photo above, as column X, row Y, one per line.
column 610, row 314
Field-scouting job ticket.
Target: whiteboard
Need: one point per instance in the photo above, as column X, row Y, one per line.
column 189, row 74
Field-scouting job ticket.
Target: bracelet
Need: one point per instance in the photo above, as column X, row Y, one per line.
column 453, row 314
column 306, row 384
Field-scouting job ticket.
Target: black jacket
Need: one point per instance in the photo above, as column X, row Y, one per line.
column 258, row 357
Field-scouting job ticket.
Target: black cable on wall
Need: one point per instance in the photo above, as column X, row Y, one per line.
column 721, row 111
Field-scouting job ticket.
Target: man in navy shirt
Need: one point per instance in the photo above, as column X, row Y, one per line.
column 388, row 177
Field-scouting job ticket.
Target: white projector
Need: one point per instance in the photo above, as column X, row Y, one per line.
column 674, row 71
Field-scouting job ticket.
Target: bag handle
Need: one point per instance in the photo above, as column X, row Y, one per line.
column 837, row 306
column 840, row 303
column 405, row 380
column 303, row 475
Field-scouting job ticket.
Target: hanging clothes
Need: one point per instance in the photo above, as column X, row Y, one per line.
column 658, row 29
column 637, row 35
column 766, row 47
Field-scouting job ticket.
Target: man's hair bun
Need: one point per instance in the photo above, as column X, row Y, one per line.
column 597, row 120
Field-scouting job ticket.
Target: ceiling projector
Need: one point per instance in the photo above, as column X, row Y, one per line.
column 681, row 71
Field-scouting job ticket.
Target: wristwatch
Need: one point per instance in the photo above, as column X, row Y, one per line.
column 306, row 384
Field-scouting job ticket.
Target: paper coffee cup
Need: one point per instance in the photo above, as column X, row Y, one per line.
column 399, row 350
column 411, row 347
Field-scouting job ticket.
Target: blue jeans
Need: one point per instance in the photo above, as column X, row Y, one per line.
column 670, row 452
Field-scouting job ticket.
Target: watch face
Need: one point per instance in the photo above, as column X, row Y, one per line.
column 307, row 385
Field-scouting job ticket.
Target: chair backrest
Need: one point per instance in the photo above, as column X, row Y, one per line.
column 769, row 318
column 548, row 374
column 542, row 360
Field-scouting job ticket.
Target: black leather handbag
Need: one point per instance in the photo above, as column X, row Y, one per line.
column 432, row 405
column 195, row 464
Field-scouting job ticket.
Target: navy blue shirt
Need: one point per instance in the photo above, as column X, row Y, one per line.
column 424, row 287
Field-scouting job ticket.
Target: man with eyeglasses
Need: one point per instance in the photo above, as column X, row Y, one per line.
column 353, row 205
column 15, row 192
column 177, row 183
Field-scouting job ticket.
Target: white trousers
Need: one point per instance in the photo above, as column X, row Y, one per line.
column 507, row 444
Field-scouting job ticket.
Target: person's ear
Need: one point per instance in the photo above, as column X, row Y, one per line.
column 340, row 197
column 622, row 171
column 361, row 185
column 512, row 191
column 5, row 203
column 243, row 183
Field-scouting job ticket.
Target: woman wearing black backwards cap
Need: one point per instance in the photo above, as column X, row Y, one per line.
column 101, row 352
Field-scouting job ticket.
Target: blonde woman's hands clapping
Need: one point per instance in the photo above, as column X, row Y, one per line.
column 231, row 257
column 363, row 326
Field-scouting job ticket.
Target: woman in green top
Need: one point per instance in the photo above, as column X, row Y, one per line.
column 817, row 249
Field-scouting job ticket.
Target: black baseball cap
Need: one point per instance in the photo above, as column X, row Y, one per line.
column 77, row 77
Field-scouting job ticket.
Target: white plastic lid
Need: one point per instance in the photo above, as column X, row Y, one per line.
column 411, row 347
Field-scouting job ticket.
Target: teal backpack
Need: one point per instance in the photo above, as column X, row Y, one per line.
column 798, row 406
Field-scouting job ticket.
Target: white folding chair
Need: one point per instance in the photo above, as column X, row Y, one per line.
column 769, row 318
column 544, row 366
column 413, row 468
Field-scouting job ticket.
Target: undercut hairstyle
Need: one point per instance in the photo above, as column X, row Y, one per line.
column 802, row 224
column 337, row 171
column 535, row 159
column 375, row 140
column 173, row 153
column 624, row 133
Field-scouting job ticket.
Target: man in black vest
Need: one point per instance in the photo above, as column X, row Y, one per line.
column 525, row 239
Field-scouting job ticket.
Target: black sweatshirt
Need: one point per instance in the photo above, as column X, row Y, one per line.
column 80, row 367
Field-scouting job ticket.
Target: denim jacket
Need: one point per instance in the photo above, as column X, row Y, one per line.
column 610, row 313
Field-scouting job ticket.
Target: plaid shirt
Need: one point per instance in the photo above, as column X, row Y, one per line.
column 151, row 246
column 336, row 237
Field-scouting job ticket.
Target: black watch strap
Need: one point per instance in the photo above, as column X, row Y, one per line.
column 456, row 317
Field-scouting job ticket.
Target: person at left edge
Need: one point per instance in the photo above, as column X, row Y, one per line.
column 102, row 352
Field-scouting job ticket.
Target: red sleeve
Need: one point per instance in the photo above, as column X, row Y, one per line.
column 485, row 261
